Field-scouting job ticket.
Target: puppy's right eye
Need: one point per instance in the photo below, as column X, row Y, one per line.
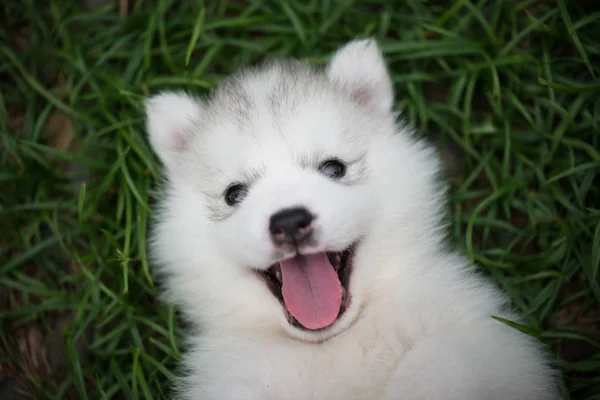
column 235, row 194
column 333, row 169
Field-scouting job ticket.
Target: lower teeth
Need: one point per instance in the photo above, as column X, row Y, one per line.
column 336, row 261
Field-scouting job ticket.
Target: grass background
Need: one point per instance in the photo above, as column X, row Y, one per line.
column 510, row 88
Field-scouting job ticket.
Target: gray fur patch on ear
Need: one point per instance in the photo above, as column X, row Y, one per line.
column 360, row 69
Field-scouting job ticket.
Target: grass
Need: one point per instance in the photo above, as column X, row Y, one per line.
column 512, row 86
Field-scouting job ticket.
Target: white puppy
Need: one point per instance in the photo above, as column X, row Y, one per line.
column 302, row 235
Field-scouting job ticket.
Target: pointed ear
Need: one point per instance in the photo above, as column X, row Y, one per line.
column 359, row 68
column 171, row 118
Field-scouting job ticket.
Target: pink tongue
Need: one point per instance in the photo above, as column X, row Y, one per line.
column 311, row 290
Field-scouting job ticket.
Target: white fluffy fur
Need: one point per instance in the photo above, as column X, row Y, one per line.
column 168, row 122
column 419, row 325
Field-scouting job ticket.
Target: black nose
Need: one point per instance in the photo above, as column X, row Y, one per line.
column 291, row 222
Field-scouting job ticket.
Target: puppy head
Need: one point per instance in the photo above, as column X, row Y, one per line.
column 282, row 192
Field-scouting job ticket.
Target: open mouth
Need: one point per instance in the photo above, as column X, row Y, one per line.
column 313, row 289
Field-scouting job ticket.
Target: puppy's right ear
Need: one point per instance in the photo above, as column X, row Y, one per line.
column 171, row 121
column 359, row 68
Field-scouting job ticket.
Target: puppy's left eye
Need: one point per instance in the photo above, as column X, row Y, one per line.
column 235, row 194
column 333, row 169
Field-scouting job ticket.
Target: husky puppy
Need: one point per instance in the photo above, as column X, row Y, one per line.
column 302, row 234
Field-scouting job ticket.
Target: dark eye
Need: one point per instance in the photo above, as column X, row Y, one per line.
column 333, row 169
column 235, row 194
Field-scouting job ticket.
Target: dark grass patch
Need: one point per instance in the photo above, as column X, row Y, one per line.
column 510, row 86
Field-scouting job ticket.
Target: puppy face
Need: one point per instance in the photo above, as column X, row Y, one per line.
column 278, row 188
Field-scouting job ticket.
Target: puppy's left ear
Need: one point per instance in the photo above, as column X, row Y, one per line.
column 359, row 68
column 172, row 119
